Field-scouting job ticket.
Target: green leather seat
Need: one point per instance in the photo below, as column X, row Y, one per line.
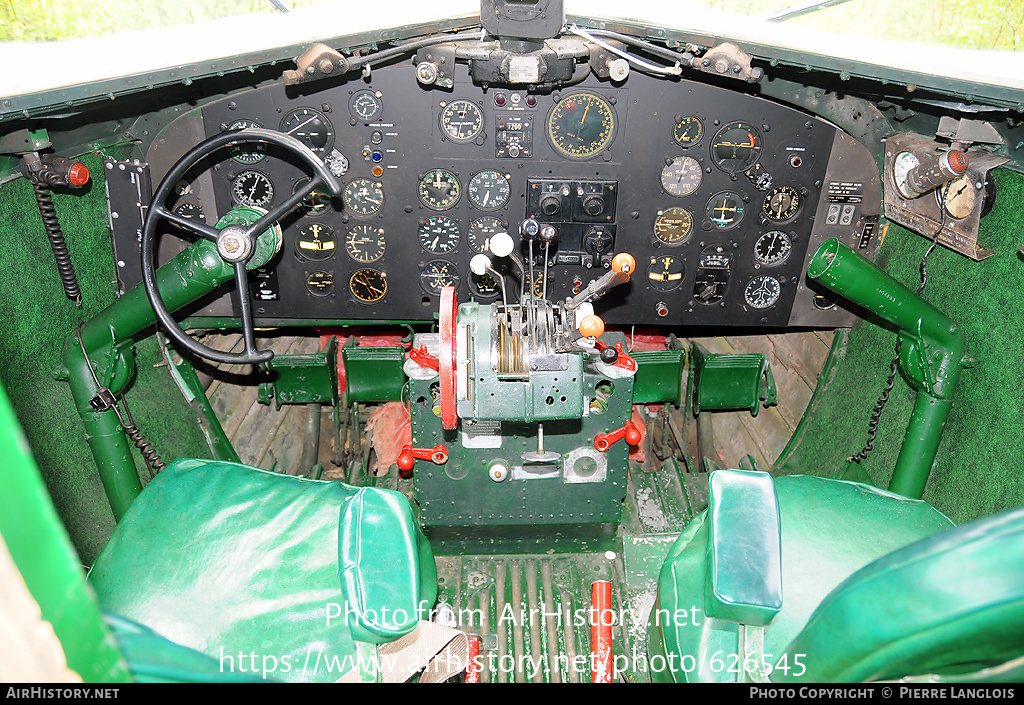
column 267, row 572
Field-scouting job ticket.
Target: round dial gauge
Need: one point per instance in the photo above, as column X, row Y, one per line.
column 480, row 232
column 316, row 242
column 957, row 197
column 368, row 285
column 772, row 248
column 252, row 188
column 363, row 197
column 781, row 203
column 736, row 147
column 725, row 210
column 581, row 125
column 484, row 286
column 665, row 273
column 365, row 243
column 316, row 201
column 311, row 127
column 439, row 190
column 673, row 226
column 682, row 176
column 688, row 131
column 762, row 292
column 489, row 190
column 249, row 152
column 320, row 283
column 439, row 233
column 437, row 275
column 366, row 105
column 192, row 211
column 461, row 121
column 901, row 166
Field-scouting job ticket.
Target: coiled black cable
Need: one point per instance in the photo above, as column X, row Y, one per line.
column 65, row 269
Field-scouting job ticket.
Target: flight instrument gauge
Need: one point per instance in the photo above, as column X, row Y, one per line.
column 673, row 225
column 681, row 176
column 368, row 285
column 725, row 210
column 480, row 232
column 252, row 188
column 762, row 292
column 317, row 200
column 489, row 190
column 581, row 125
column 320, row 283
column 712, row 276
column 365, row 243
column 246, row 152
column 316, row 242
column 736, row 147
column 439, row 233
column 781, row 203
column 311, row 127
column 688, row 131
column 665, row 273
column 461, row 121
column 365, row 105
column 772, row 248
column 437, row 275
column 363, row 197
column 439, row 190
column 192, row 211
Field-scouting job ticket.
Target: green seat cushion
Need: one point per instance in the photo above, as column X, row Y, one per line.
column 744, row 553
column 227, row 559
column 830, row 529
column 966, row 614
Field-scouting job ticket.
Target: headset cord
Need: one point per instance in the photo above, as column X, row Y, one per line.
column 876, row 412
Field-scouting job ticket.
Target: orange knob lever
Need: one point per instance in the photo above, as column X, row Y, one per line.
column 592, row 327
column 629, row 431
column 438, row 455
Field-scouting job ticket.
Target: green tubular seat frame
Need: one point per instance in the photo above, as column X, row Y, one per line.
column 231, row 560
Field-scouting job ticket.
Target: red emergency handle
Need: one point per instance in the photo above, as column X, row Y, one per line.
column 424, row 359
column 437, row 455
column 629, row 431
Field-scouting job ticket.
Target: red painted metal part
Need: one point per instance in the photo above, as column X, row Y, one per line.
column 446, row 357
column 473, row 665
column 438, row 455
column 629, row 431
column 601, row 618
column 424, row 359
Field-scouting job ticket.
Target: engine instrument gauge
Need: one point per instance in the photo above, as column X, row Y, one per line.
column 439, row 233
column 252, row 188
column 437, row 275
column 248, row 152
column 439, row 190
column 772, row 248
column 665, row 273
column 363, row 197
column 461, row 121
column 581, row 125
column 725, row 210
column 366, row 105
column 191, row 210
column 688, row 131
column 368, row 285
column 781, row 203
column 480, row 232
column 365, row 243
column 957, row 197
column 681, row 176
column 673, row 226
column 311, row 127
column 736, row 147
column 484, row 285
column 489, row 190
column 762, row 291
column 316, row 242
column 320, row 283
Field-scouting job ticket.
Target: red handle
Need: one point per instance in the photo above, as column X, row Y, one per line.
column 629, row 431
column 438, row 455
column 424, row 359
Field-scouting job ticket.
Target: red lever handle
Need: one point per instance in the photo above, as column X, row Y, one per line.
column 424, row 359
column 625, row 361
column 438, row 455
column 629, row 431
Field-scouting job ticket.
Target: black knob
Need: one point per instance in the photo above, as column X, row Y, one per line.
column 550, row 205
column 609, row 355
column 593, row 205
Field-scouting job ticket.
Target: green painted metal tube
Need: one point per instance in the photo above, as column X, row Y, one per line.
column 931, row 352
column 193, row 273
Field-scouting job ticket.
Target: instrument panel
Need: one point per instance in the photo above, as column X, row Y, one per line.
column 720, row 196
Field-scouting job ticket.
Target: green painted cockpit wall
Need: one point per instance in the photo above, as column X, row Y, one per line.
column 35, row 321
column 977, row 469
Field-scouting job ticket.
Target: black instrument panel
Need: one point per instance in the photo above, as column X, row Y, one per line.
column 720, row 196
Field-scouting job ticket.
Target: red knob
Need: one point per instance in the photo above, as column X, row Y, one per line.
column 78, row 175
